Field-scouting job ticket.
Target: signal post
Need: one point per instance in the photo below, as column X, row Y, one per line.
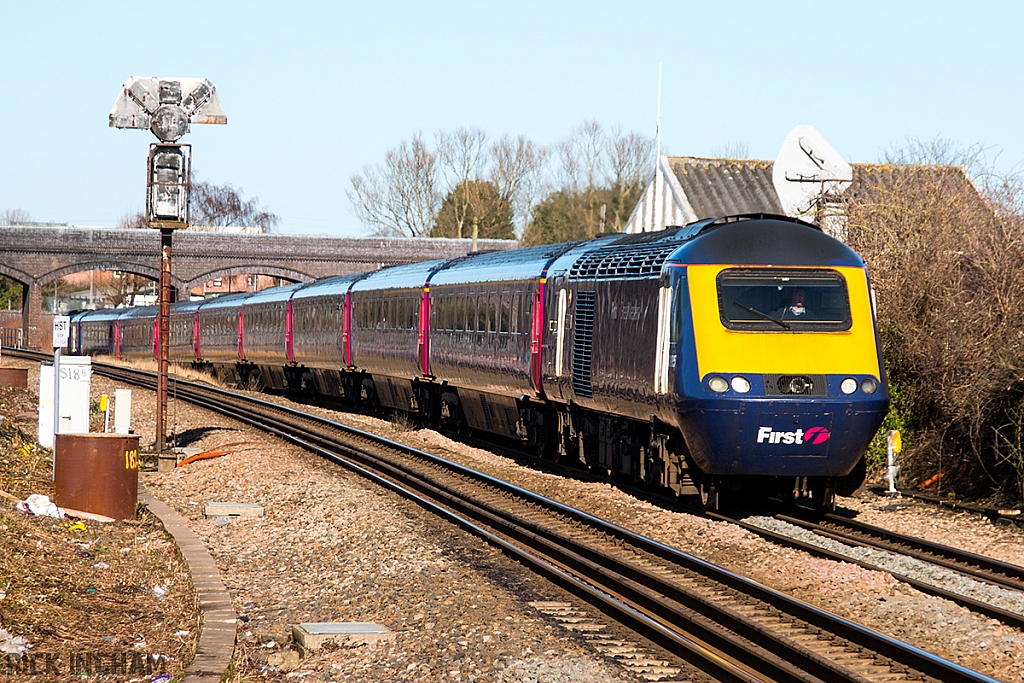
column 166, row 106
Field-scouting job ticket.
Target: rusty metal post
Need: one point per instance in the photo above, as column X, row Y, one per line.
column 164, row 332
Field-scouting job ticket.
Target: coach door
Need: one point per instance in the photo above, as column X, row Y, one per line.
column 663, row 346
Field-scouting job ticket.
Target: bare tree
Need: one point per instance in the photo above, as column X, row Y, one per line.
column 597, row 175
column 461, row 156
column 945, row 263
column 582, row 158
column 517, row 167
column 731, row 150
column 15, row 217
column 631, row 159
column 223, row 206
column 131, row 219
column 401, row 196
column 117, row 288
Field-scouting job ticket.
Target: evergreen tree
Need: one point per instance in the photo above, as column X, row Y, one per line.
column 565, row 216
column 477, row 199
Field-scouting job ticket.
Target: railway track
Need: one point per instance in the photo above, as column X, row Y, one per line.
column 852, row 533
column 712, row 624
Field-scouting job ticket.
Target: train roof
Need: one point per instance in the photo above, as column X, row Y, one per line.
column 336, row 285
column 272, row 294
column 186, row 306
column 140, row 311
column 763, row 240
column 225, row 301
column 408, row 276
column 102, row 314
column 500, row 266
column 749, row 239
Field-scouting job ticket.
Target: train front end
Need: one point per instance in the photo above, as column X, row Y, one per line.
column 778, row 367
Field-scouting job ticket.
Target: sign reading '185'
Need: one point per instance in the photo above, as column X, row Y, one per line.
column 131, row 459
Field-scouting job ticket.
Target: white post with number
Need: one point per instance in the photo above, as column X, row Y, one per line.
column 61, row 331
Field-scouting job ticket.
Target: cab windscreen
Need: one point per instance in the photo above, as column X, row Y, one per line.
column 783, row 301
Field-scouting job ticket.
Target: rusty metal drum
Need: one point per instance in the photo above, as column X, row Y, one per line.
column 97, row 473
column 13, row 377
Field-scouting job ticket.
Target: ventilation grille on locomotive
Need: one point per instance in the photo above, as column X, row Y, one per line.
column 583, row 344
column 641, row 260
column 800, row 385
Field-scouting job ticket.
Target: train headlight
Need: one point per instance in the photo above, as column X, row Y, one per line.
column 740, row 385
column 718, row 384
column 848, row 385
column 869, row 386
column 799, row 385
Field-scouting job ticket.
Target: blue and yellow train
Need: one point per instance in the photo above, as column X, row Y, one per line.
column 737, row 353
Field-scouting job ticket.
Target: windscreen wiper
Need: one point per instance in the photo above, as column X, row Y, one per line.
column 763, row 315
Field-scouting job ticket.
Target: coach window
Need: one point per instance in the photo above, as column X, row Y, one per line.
column 492, row 312
column 517, row 306
column 506, row 313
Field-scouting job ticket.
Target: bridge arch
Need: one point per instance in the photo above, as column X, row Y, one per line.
column 23, row 278
column 283, row 272
column 145, row 270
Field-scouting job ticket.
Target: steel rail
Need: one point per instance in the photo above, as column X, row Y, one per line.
column 1005, row 616
column 983, row 568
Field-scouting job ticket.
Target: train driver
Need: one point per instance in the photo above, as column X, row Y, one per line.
column 797, row 308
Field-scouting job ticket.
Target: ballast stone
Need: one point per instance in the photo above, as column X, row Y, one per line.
column 312, row 636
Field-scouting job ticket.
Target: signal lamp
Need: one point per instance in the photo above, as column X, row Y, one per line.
column 740, row 384
column 869, row 386
column 848, row 385
column 168, row 183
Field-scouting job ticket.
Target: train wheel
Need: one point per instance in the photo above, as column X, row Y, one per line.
column 823, row 496
column 710, row 490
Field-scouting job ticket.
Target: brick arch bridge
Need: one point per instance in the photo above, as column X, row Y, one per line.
column 36, row 256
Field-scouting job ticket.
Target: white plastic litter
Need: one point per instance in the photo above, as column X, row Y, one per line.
column 12, row 644
column 40, row 506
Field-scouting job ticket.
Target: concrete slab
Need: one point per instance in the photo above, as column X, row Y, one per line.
column 233, row 510
column 312, row 636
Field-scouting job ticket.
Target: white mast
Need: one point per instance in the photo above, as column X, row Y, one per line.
column 658, row 150
column 657, row 206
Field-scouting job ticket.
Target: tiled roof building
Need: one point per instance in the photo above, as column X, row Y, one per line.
column 686, row 189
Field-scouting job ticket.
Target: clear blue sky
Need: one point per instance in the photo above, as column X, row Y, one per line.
column 315, row 91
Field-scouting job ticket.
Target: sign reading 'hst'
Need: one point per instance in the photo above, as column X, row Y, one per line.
column 61, row 330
